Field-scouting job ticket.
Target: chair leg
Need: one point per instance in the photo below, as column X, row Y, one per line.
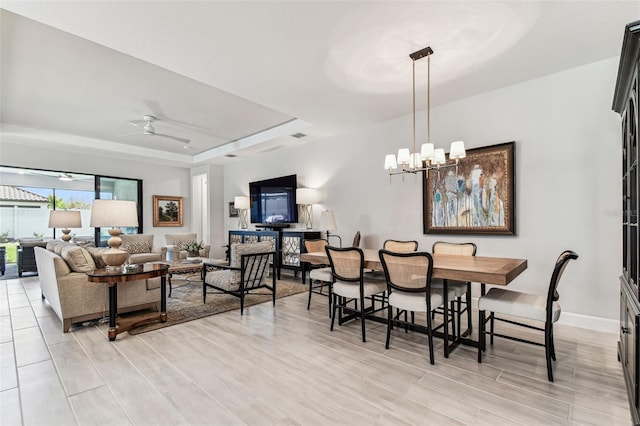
column 333, row 311
column 491, row 316
column 241, row 302
column 553, row 346
column 469, row 319
column 204, row 293
column 310, row 291
column 548, row 332
column 430, row 337
column 389, row 325
column 331, row 301
column 406, row 326
column 362, row 318
column 481, row 334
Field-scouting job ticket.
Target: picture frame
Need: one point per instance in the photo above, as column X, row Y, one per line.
column 167, row 210
column 233, row 212
column 476, row 197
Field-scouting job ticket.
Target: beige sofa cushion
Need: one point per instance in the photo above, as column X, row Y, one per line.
column 78, row 258
column 137, row 243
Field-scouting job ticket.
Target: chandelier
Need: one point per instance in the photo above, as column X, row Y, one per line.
column 429, row 157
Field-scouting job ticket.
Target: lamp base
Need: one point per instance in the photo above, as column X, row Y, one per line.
column 65, row 234
column 114, row 257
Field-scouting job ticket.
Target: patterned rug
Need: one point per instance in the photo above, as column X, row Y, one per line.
column 185, row 303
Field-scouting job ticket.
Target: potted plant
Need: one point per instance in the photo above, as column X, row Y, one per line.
column 193, row 248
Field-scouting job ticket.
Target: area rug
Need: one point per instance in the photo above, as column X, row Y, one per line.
column 185, row 303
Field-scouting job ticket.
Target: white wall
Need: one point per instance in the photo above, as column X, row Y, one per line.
column 567, row 181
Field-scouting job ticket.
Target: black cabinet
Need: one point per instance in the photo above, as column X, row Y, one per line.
column 289, row 244
column 625, row 102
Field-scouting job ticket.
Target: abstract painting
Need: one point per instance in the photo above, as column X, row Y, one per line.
column 475, row 197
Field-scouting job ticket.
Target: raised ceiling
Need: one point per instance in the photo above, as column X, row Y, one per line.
column 241, row 77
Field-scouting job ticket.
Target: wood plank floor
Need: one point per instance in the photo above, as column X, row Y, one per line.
column 283, row 366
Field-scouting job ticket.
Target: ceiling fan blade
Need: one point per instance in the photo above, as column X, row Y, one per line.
column 130, row 134
column 137, row 123
column 175, row 138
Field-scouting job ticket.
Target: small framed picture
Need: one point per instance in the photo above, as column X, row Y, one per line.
column 167, row 210
column 233, row 212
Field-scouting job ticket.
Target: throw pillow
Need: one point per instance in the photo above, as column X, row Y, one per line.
column 96, row 254
column 78, row 258
column 135, row 247
column 137, row 243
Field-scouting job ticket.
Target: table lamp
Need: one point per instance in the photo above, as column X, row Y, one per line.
column 65, row 219
column 307, row 197
column 328, row 223
column 114, row 213
column 243, row 204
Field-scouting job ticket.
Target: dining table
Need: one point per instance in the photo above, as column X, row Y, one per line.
column 476, row 269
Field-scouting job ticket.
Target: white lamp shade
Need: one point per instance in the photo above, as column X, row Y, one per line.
column 328, row 221
column 390, row 162
column 439, row 156
column 65, row 219
column 404, row 156
column 114, row 213
column 457, row 150
column 306, row 196
column 427, row 152
column 242, row 202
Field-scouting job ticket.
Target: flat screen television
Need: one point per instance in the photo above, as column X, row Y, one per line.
column 273, row 201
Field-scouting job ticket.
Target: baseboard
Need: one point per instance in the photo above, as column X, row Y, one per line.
column 592, row 323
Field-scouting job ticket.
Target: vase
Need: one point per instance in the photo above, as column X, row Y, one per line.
column 192, row 254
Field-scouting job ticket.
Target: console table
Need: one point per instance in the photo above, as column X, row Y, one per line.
column 121, row 275
column 289, row 245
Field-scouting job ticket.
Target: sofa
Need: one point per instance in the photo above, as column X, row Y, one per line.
column 62, row 270
column 141, row 249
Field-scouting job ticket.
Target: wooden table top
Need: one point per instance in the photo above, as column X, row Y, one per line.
column 479, row 269
column 136, row 272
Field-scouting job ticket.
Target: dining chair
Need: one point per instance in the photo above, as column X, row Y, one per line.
column 349, row 285
column 408, row 278
column 356, row 240
column 400, row 246
column 460, row 287
column 319, row 275
column 527, row 306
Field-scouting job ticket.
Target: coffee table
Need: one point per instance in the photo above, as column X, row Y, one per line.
column 182, row 267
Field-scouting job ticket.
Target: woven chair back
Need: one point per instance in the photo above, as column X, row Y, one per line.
column 400, row 246
column 408, row 272
column 459, row 249
column 346, row 263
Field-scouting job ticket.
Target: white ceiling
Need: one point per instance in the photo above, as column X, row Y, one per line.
column 240, row 77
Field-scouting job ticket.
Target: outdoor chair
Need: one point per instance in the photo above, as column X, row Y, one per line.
column 526, row 306
column 26, row 256
column 246, row 272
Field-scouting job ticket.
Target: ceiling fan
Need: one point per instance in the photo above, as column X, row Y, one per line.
column 147, row 129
